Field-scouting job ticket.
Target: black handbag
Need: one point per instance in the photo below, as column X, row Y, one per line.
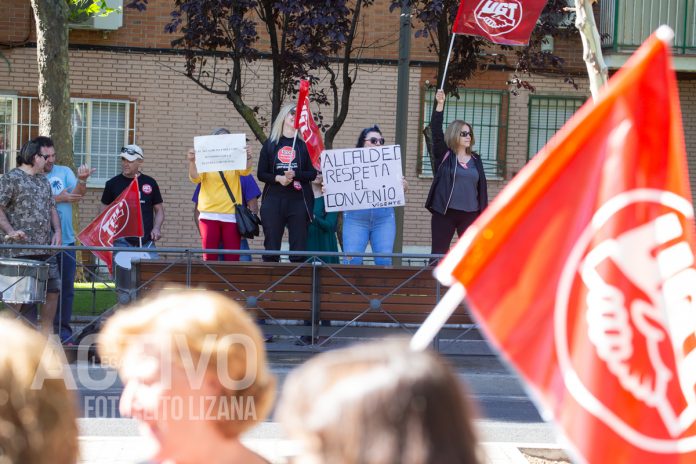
column 247, row 222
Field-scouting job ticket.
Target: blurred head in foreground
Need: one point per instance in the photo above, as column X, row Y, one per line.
column 37, row 412
column 193, row 364
column 378, row 403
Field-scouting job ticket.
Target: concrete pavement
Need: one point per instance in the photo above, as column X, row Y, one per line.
column 508, row 420
column 269, row 440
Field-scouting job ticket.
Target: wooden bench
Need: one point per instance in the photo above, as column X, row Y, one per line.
column 401, row 295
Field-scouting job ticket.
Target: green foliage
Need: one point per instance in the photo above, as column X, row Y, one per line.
column 81, row 10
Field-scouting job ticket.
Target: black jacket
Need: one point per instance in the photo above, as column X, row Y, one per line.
column 445, row 169
column 305, row 172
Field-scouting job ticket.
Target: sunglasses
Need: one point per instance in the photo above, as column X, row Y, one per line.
column 376, row 140
column 465, row 134
column 45, row 157
column 130, row 151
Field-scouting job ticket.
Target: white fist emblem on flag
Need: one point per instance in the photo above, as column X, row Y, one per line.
column 636, row 288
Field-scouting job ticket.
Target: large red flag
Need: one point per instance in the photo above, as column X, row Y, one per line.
column 508, row 22
column 582, row 274
column 122, row 218
column 304, row 121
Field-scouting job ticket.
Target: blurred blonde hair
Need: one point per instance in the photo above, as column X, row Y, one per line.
column 192, row 316
column 277, row 128
column 379, row 403
column 37, row 423
column 452, row 135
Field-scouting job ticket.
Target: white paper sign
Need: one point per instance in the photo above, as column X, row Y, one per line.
column 362, row 178
column 226, row 152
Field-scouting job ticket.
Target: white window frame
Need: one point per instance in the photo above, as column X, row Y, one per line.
column 13, row 148
column 128, row 135
column 23, row 128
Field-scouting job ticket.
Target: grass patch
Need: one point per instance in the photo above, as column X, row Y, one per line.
column 92, row 299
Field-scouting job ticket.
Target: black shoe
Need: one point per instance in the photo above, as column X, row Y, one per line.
column 304, row 340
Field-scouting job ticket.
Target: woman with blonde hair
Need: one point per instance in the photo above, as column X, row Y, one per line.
column 37, row 412
column 378, row 403
column 194, row 370
column 287, row 199
column 459, row 191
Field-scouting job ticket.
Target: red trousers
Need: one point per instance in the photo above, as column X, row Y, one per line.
column 214, row 232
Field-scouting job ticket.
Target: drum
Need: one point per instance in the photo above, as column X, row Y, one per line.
column 122, row 272
column 23, row 280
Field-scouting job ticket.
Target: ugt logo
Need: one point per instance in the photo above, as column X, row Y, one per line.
column 625, row 320
column 498, row 17
column 113, row 222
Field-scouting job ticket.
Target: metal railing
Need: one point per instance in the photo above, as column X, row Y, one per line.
column 123, row 292
column 625, row 24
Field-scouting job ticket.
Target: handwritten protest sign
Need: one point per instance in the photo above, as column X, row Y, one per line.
column 362, row 178
column 224, row 152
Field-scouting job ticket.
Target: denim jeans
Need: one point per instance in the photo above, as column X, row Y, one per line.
column 68, row 265
column 122, row 242
column 377, row 226
column 244, row 245
column 123, row 283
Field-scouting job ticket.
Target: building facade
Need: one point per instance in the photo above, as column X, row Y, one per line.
column 127, row 87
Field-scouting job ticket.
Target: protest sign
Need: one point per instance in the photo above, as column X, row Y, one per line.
column 225, row 152
column 362, row 178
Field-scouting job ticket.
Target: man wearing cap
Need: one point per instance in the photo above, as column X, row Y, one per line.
column 151, row 203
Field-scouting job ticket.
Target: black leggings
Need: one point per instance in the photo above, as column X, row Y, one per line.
column 279, row 212
column 443, row 226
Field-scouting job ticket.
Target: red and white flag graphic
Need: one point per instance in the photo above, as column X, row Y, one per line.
column 508, row 22
column 304, row 121
column 122, row 218
column 582, row 272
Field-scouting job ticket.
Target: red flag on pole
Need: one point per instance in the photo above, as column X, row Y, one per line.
column 508, row 22
column 304, row 121
column 122, row 218
column 582, row 273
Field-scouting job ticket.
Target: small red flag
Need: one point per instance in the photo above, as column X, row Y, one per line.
column 508, row 22
column 582, row 273
column 304, row 121
column 122, row 218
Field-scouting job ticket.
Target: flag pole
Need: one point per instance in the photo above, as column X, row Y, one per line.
column 449, row 54
column 294, row 139
column 438, row 317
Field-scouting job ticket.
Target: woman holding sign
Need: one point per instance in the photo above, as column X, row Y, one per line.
column 377, row 225
column 459, row 192
column 217, row 220
column 287, row 200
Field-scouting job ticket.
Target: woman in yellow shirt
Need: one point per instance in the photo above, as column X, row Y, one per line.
column 217, row 219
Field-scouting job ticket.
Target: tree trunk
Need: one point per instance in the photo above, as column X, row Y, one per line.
column 54, row 73
column 591, row 45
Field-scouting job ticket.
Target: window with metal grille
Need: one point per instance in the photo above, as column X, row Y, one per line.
column 487, row 112
column 548, row 114
column 100, row 128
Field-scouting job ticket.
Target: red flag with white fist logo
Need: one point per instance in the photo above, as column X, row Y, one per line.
column 122, row 218
column 508, row 22
column 582, row 272
column 304, row 122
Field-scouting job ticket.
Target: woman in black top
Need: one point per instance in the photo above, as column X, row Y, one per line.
column 287, row 199
column 459, row 191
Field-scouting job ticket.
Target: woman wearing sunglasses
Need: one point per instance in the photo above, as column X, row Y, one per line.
column 377, row 225
column 287, row 201
column 459, row 192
